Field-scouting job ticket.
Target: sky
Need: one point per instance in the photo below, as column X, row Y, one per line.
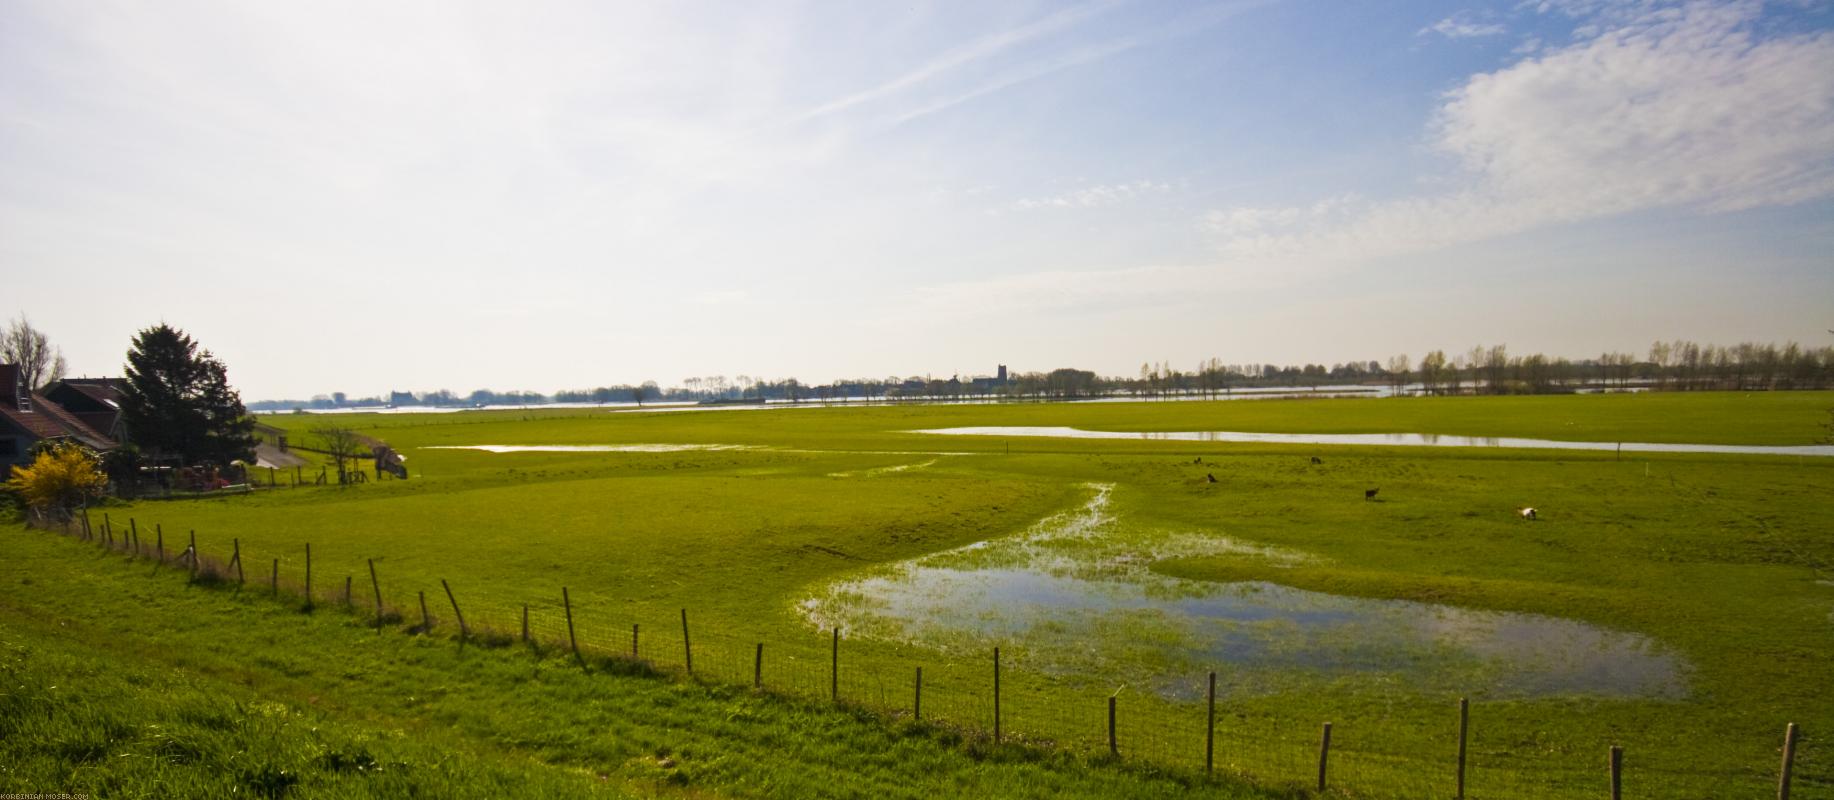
column 366, row 197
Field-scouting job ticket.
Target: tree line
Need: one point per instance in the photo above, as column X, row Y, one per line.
column 1678, row 365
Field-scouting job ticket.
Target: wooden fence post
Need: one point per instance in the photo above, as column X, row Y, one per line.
column 308, row 574
column 1114, row 748
column 236, row 560
column 426, row 620
column 1210, row 730
column 1324, row 755
column 757, row 668
column 133, row 533
column 634, row 628
column 1617, row 773
column 1464, row 726
column 917, row 701
column 347, row 591
column 274, row 581
column 159, row 539
column 834, row 668
column 566, row 602
column 193, row 550
column 687, row 649
column 1789, row 759
column 996, row 694
column 464, row 632
column 378, row 586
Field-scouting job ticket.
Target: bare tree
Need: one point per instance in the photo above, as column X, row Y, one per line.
column 1432, row 370
column 342, row 444
column 39, row 362
column 1398, row 369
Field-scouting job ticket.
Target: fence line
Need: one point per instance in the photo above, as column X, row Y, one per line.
column 965, row 697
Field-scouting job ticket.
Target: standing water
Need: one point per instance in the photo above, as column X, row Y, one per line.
column 1077, row 593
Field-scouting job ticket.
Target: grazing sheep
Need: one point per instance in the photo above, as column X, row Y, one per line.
column 1526, row 513
column 1370, row 494
column 1198, row 460
column 1317, row 460
column 1211, row 477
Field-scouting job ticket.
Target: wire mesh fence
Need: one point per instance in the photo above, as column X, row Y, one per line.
column 987, row 696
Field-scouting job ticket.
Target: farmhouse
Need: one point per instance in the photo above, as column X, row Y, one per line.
column 95, row 401
column 27, row 418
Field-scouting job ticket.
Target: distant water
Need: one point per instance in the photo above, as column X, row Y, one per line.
column 1386, row 439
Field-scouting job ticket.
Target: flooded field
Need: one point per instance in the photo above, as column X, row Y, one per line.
column 1382, row 439
column 1076, row 596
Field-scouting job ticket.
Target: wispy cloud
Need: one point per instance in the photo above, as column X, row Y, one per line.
column 1682, row 108
column 1018, row 75
column 1462, row 26
column 1094, row 196
column 957, row 58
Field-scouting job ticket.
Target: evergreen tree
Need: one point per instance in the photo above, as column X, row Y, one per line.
column 179, row 402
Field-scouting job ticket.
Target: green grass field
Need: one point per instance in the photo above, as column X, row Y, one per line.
column 1725, row 563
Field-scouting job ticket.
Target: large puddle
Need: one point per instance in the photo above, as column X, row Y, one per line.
column 1075, row 596
column 1386, row 439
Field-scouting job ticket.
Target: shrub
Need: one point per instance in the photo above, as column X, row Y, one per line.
column 61, row 478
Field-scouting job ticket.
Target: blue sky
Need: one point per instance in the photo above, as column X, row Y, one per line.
column 366, row 197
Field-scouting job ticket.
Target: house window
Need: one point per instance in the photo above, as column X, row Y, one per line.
column 9, row 447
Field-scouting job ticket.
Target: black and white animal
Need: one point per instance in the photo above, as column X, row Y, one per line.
column 1317, row 460
column 1527, row 513
column 1198, row 460
column 1211, row 477
column 1369, row 494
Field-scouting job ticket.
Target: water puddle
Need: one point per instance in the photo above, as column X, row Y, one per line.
column 1386, row 439
column 587, row 448
column 877, row 471
column 1076, row 596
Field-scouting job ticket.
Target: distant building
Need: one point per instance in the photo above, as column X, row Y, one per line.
column 27, row 418
column 1002, row 376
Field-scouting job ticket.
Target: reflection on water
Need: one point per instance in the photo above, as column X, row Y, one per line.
column 1077, row 595
column 1395, row 439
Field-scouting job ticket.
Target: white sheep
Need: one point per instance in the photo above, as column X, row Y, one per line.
column 1526, row 513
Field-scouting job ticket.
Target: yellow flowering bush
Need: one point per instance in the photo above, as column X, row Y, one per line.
column 62, row 477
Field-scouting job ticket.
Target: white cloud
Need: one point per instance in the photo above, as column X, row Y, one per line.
column 1094, row 196
column 1462, row 26
column 1673, row 108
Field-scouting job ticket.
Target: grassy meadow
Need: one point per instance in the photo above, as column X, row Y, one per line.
column 130, row 683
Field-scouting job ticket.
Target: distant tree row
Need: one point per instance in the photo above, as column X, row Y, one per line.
column 1669, row 366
